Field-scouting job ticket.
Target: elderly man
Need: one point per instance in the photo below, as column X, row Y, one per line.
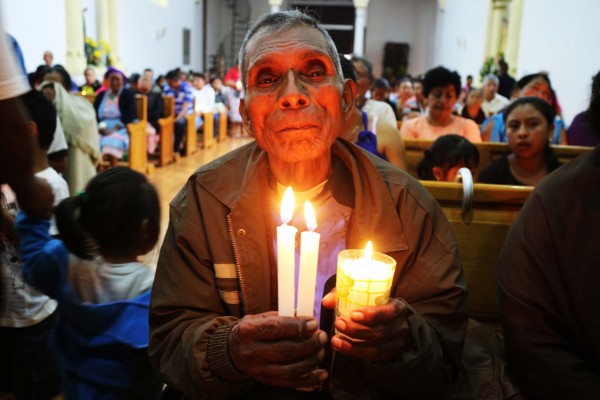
column 492, row 101
column 215, row 331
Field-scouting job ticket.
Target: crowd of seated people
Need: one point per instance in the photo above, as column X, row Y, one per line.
column 428, row 107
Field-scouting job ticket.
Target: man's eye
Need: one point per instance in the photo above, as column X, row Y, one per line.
column 266, row 80
column 315, row 73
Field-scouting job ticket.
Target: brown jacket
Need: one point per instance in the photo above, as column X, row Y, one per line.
column 215, row 262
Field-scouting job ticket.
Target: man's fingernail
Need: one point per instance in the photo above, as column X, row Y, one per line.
column 323, row 376
column 340, row 324
column 312, row 325
column 327, row 297
column 322, row 337
column 358, row 316
column 336, row 343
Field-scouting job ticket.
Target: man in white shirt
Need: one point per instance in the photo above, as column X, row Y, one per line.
column 492, row 101
column 204, row 95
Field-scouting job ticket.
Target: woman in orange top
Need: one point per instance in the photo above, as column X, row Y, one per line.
column 441, row 88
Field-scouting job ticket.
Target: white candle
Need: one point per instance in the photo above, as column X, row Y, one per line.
column 309, row 256
column 286, row 261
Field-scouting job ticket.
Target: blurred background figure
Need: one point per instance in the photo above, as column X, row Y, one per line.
column 48, row 58
column 581, row 131
column 472, row 109
column 91, row 82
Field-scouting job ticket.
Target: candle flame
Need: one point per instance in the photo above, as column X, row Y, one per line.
column 287, row 206
column 368, row 251
column 309, row 215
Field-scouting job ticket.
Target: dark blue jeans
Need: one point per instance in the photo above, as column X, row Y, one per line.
column 180, row 133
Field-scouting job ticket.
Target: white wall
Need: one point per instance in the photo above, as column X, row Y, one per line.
column 561, row 37
column 38, row 26
column 460, row 34
column 152, row 36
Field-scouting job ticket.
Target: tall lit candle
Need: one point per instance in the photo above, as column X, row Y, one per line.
column 286, row 261
column 309, row 256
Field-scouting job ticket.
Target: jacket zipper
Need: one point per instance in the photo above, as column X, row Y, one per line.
column 236, row 262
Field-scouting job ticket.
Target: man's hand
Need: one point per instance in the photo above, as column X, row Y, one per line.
column 35, row 197
column 279, row 351
column 375, row 333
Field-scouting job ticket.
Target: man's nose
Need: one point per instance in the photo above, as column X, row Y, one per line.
column 294, row 96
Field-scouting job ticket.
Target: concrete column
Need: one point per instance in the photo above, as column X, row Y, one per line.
column 514, row 35
column 360, row 23
column 76, row 61
column 498, row 11
column 275, row 5
column 108, row 31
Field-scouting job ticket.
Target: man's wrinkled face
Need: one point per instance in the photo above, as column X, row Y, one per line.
column 294, row 104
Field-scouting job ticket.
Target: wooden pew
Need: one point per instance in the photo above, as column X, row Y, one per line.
column 487, row 152
column 208, row 130
column 138, row 150
column 138, row 142
column 480, row 235
column 191, row 137
column 167, row 130
column 222, row 127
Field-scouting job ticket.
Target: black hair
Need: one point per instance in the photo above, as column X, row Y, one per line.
column 117, row 215
column 548, row 113
column 446, row 152
column 199, row 75
column 173, row 74
column 366, row 63
column 381, row 83
column 134, row 78
column 348, row 69
column 67, row 82
column 592, row 114
column 42, row 112
column 40, row 71
column 440, row 77
column 524, row 81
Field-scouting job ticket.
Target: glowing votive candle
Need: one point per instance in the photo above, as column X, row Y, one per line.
column 364, row 278
column 286, row 261
column 309, row 256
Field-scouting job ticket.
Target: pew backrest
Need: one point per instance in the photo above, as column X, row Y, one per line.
column 488, row 151
column 141, row 102
column 480, row 235
column 168, row 106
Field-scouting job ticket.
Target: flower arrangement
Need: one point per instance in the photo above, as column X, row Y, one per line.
column 97, row 54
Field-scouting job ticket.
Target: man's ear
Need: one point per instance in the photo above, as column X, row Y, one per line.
column 247, row 123
column 348, row 96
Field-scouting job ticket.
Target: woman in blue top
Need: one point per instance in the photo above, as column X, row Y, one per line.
column 103, row 292
column 115, row 108
column 534, row 85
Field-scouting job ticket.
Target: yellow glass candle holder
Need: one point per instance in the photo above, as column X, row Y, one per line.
column 362, row 281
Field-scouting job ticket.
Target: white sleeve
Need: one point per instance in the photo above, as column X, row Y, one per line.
column 12, row 81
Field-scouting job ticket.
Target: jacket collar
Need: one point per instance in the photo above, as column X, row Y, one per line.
column 360, row 180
